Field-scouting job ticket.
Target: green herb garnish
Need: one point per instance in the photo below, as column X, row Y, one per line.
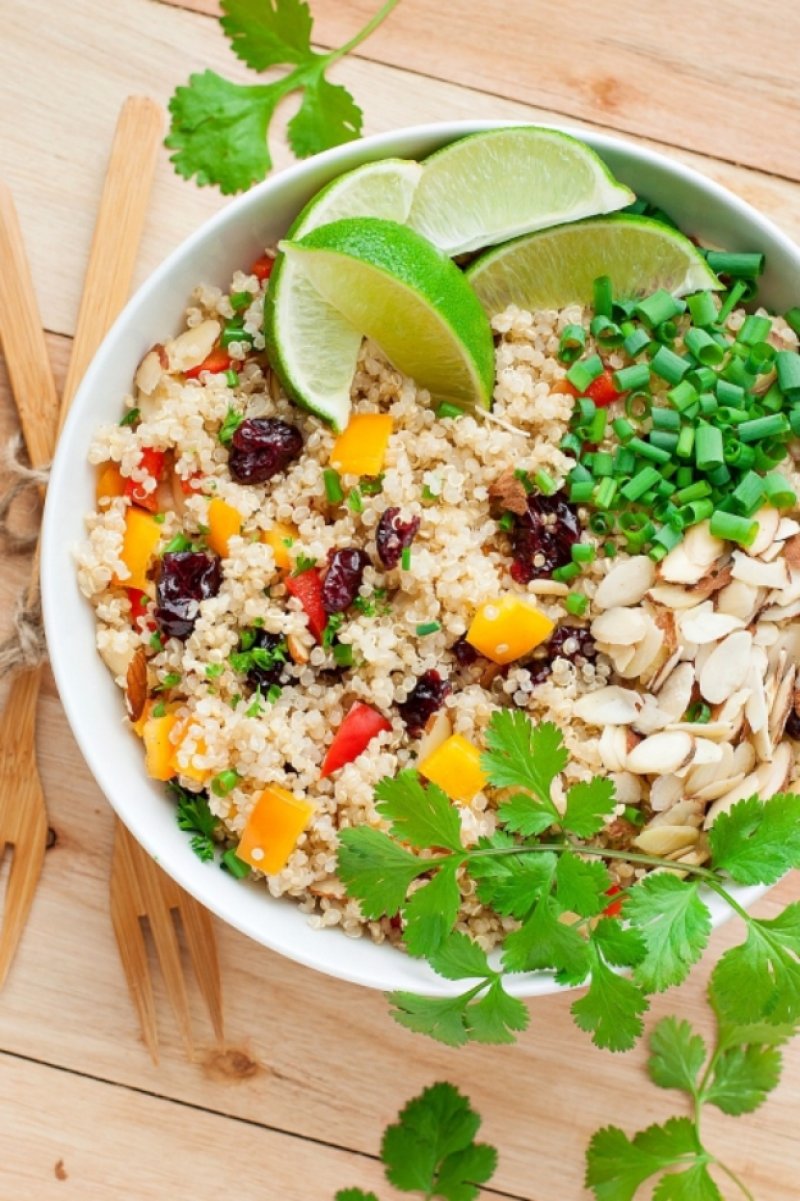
column 195, row 817
column 229, row 426
column 131, row 417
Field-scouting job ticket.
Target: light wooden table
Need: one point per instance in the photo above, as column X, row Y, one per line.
column 295, row 1105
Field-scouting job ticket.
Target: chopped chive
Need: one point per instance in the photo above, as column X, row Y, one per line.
column 225, row 782
column 760, row 358
column 666, row 419
column 769, row 454
column 214, row 670
column 708, row 451
column 240, row 300
column 371, row 485
column 696, row 491
column 583, row 552
column 720, row 476
column 234, row 331
column 610, row 549
column 229, row 426
column 585, row 409
column 428, row 627
column 636, row 376
column 661, row 306
column 792, row 318
column 636, row 341
column 702, row 346
column 580, row 492
column 698, row 713
column 354, row 502
column 664, row 440
column 748, row 494
column 596, row 429
column 576, row 603
column 156, row 642
column 131, row 417
column 603, row 297
column 731, row 395
column 644, row 479
column 708, row 403
column 669, row 365
column 685, row 476
column 624, row 462
column 405, row 558
column 571, row 343
column 449, row 410
column 237, row 867
column 333, row 486
column 343, row 654
column 581, row 374
column 771, row 426
column 734, row 528
column 773, row 399
column 702, row 379
column 697, row 510
column 159, row 710
column 778, row 492
column 602, row 464
column 159, row 518
column 566, row 573
column 171, row 680
column 682, row 396
column 731, row 300
column 623, row 429
column 685, row 447
column 601, row 523
column 702, row 308
column 736, row 372
column 506, row 523
column 570, row 444
column 545, row 482
column 666, row 333
column 787, row 365
column 232, row 378
column 605, row 332
column 177, row 545
column 647, row 451
column 739, row 455
column 668, row 537
column 273, row 693
column 738, row 266
column 754, row 329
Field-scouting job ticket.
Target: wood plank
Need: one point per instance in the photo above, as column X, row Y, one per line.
column 67, row 1136
column 53, row 153
column 683, row 78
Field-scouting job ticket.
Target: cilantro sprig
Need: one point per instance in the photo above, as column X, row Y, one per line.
column 431, row 1149
column 219, row 129
column 545, row 868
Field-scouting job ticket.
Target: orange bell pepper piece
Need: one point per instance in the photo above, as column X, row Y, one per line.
column 224, row 522
column 273, row 828
column 142, row 536
column 361, row 449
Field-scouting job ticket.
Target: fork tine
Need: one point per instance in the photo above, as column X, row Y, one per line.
column 125, row 910
column 199, row 930
column 162, row 927
column 26, row 865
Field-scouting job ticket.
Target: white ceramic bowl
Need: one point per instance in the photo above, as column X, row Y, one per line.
column 92, row 702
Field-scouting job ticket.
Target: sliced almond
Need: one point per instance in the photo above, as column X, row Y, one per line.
column 704, row 625
column 716, row 579
column 676, row 692
column 701, row 545
column 667, row 669
column 297, row 649
column 739, row 600
column 620, row 627
column 717, row 788
column 744, row 758
column 765, row 781
column 726, row 667
column 136, row 684
column 755, row 709
column 766, row 633
column 548, row 588
column 651, row 717
column 613, row 748
column 647, row 651
column 661, row 754
column 666, row 792
column 678, row 568
column 731, row 713
column 768, row 521
column 626, row 583
column 437, row 730
column 719, row 731
column 705, row 773
column 790, row 592
column 685, row 812
column 662, row 840
column 149, row 372
column 759, row 574
column 791, row 551
column 191, row 347
column 787, row 528
column 609, row 706
column 627, row 787
column 782, row 705
column 672, row 596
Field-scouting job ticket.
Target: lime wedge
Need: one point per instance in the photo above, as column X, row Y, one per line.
column 312, row 348
column 490, row 187
column 556, row 267
column 390, row 284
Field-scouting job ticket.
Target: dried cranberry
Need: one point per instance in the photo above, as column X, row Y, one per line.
column 427, row 695
column 187, row 577
column 343, row 579
column 464, row 652
column 272, row 667
column 792, row 727
column 261, row 447
column 584, row 648
column 548, row 529
column 393, row 536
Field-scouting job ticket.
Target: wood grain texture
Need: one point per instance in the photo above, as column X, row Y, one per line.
column 683, row 77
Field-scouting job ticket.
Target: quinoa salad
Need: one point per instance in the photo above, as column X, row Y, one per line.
column 294, row 615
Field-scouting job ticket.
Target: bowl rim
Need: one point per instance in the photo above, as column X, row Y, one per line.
column 386, row 144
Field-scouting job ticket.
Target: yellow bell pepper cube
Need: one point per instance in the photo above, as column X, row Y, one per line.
column 224, row 522
column 507, row 628
column 158, row 746
column 361, row 449
column 273, row 828
column 456, row 767
column 184, row 764
column 110, row 484
column 142, row 536
column 280, row 538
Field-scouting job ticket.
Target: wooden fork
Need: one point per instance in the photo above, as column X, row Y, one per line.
column 23, row 821
column 139, row 889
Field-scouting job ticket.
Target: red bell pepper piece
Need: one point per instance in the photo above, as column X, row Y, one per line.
column 602, row 390
column 219, row 360
column 262, row 268
column 187, row 483
column 615, row 908
column 138, row 602
column 307, row 587
column 359, row 727
column 151, row 461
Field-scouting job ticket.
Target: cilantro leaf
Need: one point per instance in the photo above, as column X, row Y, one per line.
column 677, row 1054
column 511, row 884
column 581, row 884
column 522, row 755
column 589, row 803
column 432, row 1147
column 695, row 1184
column 768, row 961
column 442, row 1018
column 459, row 957
column 523, row 815
column 195, row 817
column 496, row 1015
column 757, row 1034
column 328, row 116
column 431, row 912
column 616, row 1166
column 743, row 1077
column 354, row 1194
column 545, row 942
column 268, row 33
column 423, row 817
column 219, row 130
column 611, row 1009
column 485, row 1013
column 757, row 841
column 376, row 871
column 675, row 924
column 621, row 946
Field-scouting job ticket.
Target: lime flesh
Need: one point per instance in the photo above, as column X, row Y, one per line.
column 556, row 267
column 390, row 284
column 312, row 347
column 491, row 187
